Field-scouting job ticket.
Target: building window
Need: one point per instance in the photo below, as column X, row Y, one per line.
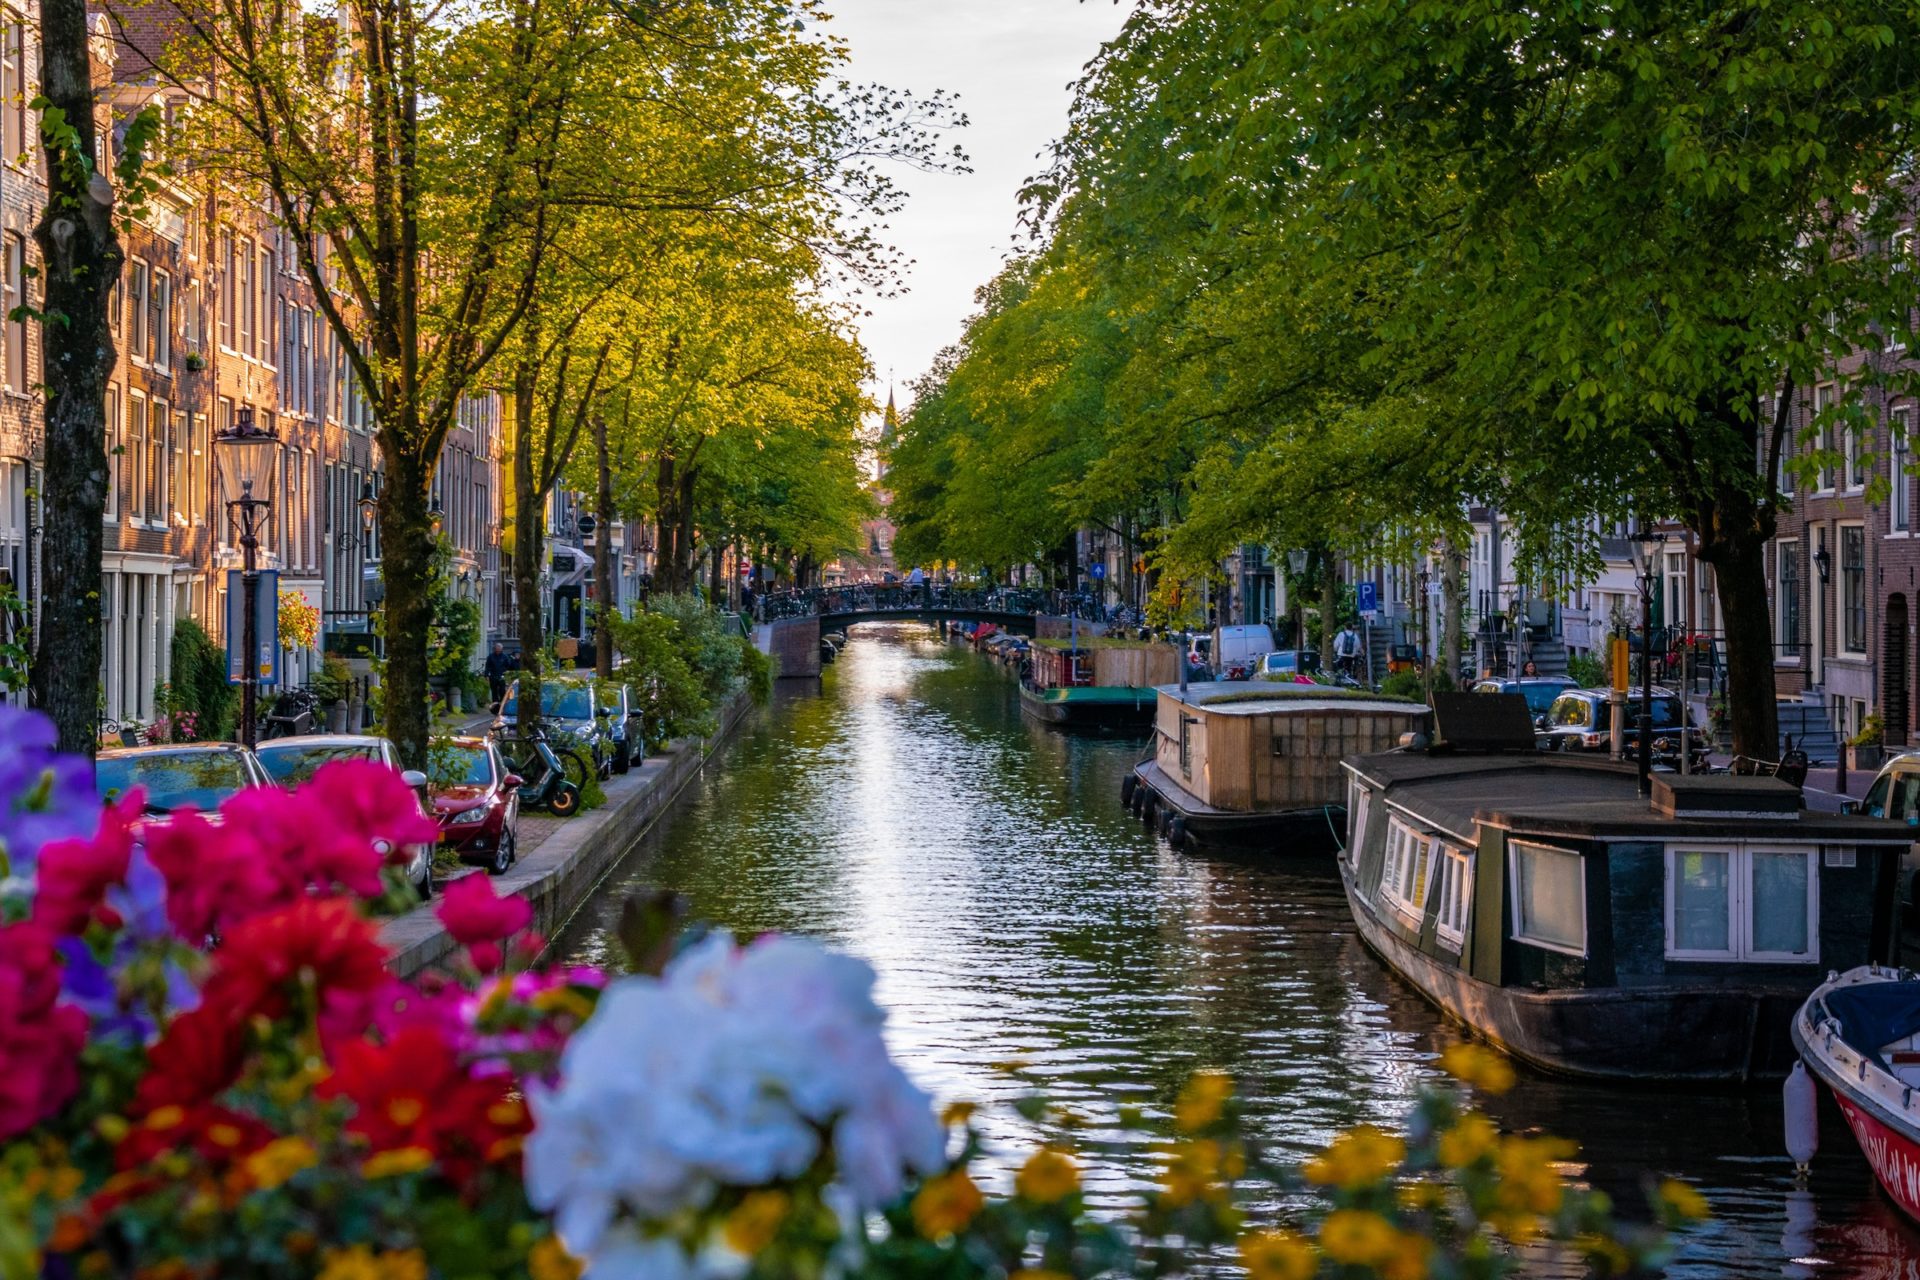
column 1549, row 897
column 137, row 310
column 180, row 481
column 136, row 445
column 1786, row 598
column 265, row 285
column 16, row 287
column 1404, row 877
column 1823, row 437
column 13, row 87
column 158, row 423
column 1734, row 903
column 1455, row 895
column 1900, row 496
column 1853, row 587
column 116, row 460
column 160, row 321
column 249, row 313
column 227, row 267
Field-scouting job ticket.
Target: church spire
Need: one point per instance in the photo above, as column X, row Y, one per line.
column 890, row 424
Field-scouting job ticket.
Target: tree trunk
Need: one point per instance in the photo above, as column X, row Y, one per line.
column 1451, row 621
column 1329, row 606
column 1740, row 576
column 529, row 528
column 406, row 537
column 81, row 257
column 716, row 577
column 608, row 595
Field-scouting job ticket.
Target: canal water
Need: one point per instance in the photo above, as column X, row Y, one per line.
column 907, row 812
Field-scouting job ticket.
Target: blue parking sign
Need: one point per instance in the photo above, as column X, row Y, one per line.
column 1369, row 597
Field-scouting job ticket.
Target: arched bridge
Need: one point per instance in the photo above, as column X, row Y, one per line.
column 788, row 624
column 840, row 620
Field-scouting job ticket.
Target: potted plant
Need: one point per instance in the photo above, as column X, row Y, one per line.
column 1867, row 748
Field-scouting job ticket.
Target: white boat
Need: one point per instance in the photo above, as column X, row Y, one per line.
column 1859, row 1033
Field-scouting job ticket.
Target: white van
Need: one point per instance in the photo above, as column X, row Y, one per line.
column 1238, row 650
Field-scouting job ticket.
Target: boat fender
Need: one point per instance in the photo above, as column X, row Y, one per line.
column 1166, row 821
column 1801, row 1102
column 1177, row 832
column 1127, row 784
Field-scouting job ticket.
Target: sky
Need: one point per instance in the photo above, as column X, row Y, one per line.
column 1011, row 62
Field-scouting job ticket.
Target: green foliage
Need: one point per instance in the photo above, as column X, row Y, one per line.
column 1587, row 670
column 757, row 668
column 670, row 694
column 200, row 683
column 456, row 621
column 710, row 641
column 334, row 681
column 16, row 648
column 1405, row 684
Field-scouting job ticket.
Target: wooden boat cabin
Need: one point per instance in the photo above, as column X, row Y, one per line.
column 1537, row 898
column 1097, row 682
column 1255, row 764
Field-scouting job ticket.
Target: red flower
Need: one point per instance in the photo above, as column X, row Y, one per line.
column 217, row 875
column 200, row 1054
column 413, row 1092
column 219, row 1135
column 74, row 875
column 367, row 805
column 40, row 1039
column 324, row 942
column 474, row 913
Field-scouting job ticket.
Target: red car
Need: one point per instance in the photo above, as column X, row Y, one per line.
column 476, row 801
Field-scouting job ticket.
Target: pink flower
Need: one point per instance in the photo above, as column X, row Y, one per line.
column 368, row 804
column 75, row 874
column 40, row 1039
column 474, row 913
column 216, row 875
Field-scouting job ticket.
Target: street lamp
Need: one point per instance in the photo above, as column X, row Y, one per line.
column 1646, row 568
column 368, row 505
column 248, row 454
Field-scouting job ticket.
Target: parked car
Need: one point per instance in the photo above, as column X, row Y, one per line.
column 626, row 728
column 476, row 801
column 1539, row 691
column 1895, row 793
column 1236, row 651
column 1582, row 720
column 293, row 761
column 1284, row 665
column 190, row 775
column 570, row 708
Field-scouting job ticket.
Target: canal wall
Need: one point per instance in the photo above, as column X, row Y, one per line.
column 559, row 876
column 793, row 644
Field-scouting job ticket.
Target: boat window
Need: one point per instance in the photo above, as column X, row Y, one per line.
column 1549, row 897
column 1357, row 818
column 1731, row 902
column 1405, row 876
column 1456, row 892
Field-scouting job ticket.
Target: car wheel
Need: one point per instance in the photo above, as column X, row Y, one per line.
column 502, row 858
column 623, row 759
column 511, row 839
column 426, row 885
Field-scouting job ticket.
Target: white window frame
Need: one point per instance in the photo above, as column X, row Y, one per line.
column 1739, row 899
column 1841, row 606
column 1513, row 873
column 1406, row 876
column 136, row 452
column 1823, row 480
column 1900, row 258
column 1900, row 498
column 139, row 277
column 162, row 337
column 1454, row 868
column 1357, row 810
column 116, row 462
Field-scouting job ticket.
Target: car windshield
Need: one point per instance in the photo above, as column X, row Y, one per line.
column 1539, row 696
column 573, row 704
column 173, row 779
column 456, row 765
column 293, row 765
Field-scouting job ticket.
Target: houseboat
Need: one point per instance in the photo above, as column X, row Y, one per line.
column 1258, row 765
column 1539, row 899
column 1099, row 683
column 1859, row 1034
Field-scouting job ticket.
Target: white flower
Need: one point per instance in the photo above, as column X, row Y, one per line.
column 725, row 1071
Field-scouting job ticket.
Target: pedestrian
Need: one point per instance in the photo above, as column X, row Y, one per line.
column 1529, row 669
column 1346, row 650
column 498, row 664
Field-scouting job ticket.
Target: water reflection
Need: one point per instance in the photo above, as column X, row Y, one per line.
column 982, row 863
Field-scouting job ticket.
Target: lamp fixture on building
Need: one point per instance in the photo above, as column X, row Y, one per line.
column 1297, row 560
column 369, row 507
column 1645, row 545
column 1823, row 561
column 436, row 515
column 248, row 454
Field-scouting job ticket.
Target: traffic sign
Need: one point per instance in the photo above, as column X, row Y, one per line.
column 1097, row 570
column 1369, row 598
column 266, row 624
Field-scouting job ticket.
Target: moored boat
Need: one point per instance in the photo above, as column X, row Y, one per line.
column 1099, row 682
column 1258, row 765
column 1540, row 900
column 1859, row 1033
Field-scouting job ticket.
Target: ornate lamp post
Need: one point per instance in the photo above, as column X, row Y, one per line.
column 1646, row 569
column 248, row 455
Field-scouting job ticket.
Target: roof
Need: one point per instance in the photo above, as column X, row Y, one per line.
column 1580, row 797
column 1247, row 698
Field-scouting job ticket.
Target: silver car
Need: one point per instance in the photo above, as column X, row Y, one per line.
column 292, row 761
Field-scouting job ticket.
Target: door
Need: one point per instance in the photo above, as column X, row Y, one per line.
column 1893, row 662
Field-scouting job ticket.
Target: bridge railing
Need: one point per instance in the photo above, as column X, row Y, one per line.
column 924, row 598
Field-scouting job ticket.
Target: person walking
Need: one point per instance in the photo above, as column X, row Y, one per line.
column 1346, row 650
column 497, row 666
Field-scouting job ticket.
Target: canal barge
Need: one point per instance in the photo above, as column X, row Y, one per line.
column 1537, row 898
column 1097, row 683
column 1258, row 765
column 1859, row 1034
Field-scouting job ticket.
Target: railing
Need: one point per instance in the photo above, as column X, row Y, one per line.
column 931, row 598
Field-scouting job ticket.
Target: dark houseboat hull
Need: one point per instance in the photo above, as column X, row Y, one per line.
column 1727, row 1034
column 1091, row 707
column 1309, row 831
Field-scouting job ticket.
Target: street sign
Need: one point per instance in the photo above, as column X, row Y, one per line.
column 266, row 615
column 1097, row 571
column 1369, row 598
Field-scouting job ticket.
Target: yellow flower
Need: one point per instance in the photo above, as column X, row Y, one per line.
column 549, row 1260
column 1607, row 1255
column 1683, row 1200
column 404, row 1111
column 391, row 1164
column 1199, row 1169
column 1471, row 1138
column 753, row 1224
column 1408, row 1261
column 65, row 1182
column 957, row 1113
column 1277, row 1255
column 946, row 1204
column 1047, row 1176
column 1202, row 1100
column 356, row 1263
column 1357, row 1237
column 278, row 1161
column 564, row 1000
column 1422, row 1195
column 167, row 1117
column 403, row 1264
column 1038, row 1273
column 1529, row 1182
column 1478, row 1066
column 1520, row 1228
column 1358, row 1158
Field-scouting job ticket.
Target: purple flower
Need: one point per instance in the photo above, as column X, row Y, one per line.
column 44, row 795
